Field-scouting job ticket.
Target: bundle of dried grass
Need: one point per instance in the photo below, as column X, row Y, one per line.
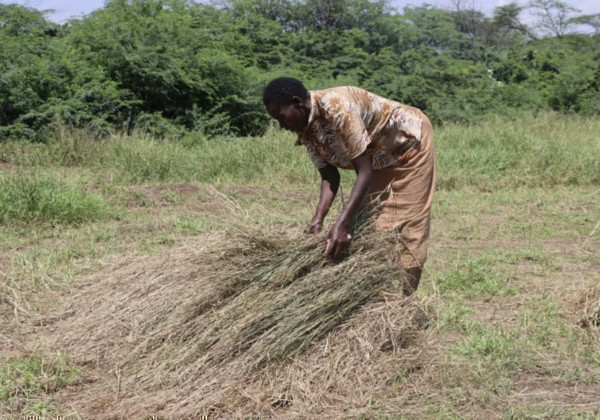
column 281, row 300
column 205, row 319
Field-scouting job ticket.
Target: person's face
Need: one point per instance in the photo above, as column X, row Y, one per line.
column 290, row 117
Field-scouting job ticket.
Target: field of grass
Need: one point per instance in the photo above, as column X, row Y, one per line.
column 512, row 285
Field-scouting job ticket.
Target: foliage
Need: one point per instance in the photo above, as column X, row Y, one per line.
column 169, row 67
column 26, row 199
column 503, row 152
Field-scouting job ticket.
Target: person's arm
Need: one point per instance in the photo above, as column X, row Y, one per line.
column 330, row 182
column 338, row 236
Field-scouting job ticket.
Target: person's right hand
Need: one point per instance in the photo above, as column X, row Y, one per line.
column 313, row 227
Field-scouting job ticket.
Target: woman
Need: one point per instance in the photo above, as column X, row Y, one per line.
column 388, row 144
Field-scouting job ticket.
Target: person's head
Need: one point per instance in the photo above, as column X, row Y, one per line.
column 288, row 101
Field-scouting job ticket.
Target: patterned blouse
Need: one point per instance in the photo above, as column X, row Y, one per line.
column 344, row 122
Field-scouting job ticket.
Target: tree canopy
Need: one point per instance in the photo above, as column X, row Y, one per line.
column 170, row 66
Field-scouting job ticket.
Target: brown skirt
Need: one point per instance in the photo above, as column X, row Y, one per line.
column 403, row 196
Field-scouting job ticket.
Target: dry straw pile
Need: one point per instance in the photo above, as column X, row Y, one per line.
column 242, row 323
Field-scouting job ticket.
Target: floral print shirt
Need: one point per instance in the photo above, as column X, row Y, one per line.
column 344, row 122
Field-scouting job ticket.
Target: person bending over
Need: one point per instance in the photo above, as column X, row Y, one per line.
column 388, row 144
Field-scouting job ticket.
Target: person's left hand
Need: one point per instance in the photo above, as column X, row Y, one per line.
column 337, row 239
column 314, row 227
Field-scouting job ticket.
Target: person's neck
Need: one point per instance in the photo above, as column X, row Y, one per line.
column 307, row 106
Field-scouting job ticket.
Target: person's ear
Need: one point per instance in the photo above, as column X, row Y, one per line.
column 297, row 101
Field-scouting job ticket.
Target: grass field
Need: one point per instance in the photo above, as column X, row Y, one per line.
column 511, row 288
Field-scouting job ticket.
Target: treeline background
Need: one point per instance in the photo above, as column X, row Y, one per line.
column 168, row 67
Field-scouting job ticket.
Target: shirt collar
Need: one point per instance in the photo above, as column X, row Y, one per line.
column 311, row 117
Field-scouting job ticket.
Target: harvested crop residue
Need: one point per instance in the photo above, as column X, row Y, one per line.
column 241, row 323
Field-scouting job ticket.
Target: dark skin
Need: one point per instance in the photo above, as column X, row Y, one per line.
column 294, row 117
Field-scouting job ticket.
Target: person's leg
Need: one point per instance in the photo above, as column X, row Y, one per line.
column 413, row 276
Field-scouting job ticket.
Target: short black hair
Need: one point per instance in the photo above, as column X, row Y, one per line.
column 280, row 91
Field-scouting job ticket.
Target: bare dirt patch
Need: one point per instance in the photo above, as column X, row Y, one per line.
column 201, row 199
column 547, row 392
column 162, row 195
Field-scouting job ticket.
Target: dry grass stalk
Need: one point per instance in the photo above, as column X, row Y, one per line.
column 218, row 319
column 590, row 308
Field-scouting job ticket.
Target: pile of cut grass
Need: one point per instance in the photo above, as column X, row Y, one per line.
column 214, row 317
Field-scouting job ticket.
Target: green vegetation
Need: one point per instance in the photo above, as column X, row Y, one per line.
column 26, row 198
column 168, row 67
column 500, row 153
column 24, row 380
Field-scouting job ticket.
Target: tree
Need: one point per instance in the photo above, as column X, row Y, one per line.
column 20, row 20
column 506, row 24
column 176, row 64
column 555, row 17
column 167, row 66
column 589, row 20
column 468, row 19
